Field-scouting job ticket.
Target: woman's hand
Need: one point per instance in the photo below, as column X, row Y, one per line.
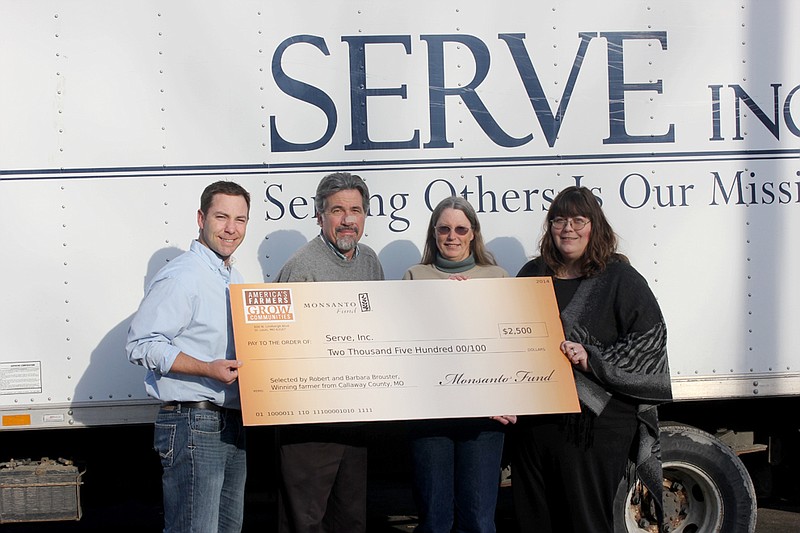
column 458, row 277
column 576, row 354
column 505, row 419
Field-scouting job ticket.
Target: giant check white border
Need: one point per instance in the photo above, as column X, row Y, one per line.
column 394, row 350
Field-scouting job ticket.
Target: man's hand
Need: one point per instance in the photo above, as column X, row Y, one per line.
column 224, row 370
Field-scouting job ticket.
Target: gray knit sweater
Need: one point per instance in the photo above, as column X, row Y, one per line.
column 317, row 262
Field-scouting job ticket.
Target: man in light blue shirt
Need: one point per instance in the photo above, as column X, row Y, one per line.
column 182, row 333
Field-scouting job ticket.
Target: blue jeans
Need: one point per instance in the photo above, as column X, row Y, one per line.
column 204, row 463
column 456, row 480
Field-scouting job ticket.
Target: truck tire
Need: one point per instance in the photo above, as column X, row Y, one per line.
column 706, row 488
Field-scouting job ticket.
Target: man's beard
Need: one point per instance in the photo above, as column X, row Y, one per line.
column 345, row 244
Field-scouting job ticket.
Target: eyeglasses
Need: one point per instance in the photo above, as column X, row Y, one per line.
column 578, row 223
column 445, row 230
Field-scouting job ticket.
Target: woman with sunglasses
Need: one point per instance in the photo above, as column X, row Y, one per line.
column 566, row 469
column 456, row 463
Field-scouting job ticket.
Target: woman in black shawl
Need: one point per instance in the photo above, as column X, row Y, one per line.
column 566, row 468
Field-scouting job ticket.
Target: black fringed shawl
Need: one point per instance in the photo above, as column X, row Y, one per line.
column 615, row 316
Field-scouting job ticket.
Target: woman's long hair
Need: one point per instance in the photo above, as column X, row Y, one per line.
column 602, row 248
column 477, row 248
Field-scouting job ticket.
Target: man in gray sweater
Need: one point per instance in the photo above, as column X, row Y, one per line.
column 324, row 466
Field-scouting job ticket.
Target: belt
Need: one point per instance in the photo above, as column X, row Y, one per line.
column 180, row 406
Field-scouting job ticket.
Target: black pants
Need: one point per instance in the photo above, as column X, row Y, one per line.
column 565, row 469
column 323, row 482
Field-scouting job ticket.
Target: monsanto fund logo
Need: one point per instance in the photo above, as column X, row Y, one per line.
column 363, row 299
column 268, row 305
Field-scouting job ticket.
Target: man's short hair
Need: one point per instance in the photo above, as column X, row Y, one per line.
column 340, row 181
column 222, row 187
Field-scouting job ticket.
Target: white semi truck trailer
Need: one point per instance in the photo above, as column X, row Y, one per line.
column 683, row 117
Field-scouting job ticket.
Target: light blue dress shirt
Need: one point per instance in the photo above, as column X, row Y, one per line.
column 186, row 309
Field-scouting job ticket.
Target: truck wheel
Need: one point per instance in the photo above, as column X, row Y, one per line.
column 706, row 488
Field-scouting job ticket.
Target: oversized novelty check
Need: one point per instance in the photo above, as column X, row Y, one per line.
column 394, row 350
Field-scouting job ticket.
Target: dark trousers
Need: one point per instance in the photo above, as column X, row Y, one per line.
column 323, row 488
column 563, row 481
